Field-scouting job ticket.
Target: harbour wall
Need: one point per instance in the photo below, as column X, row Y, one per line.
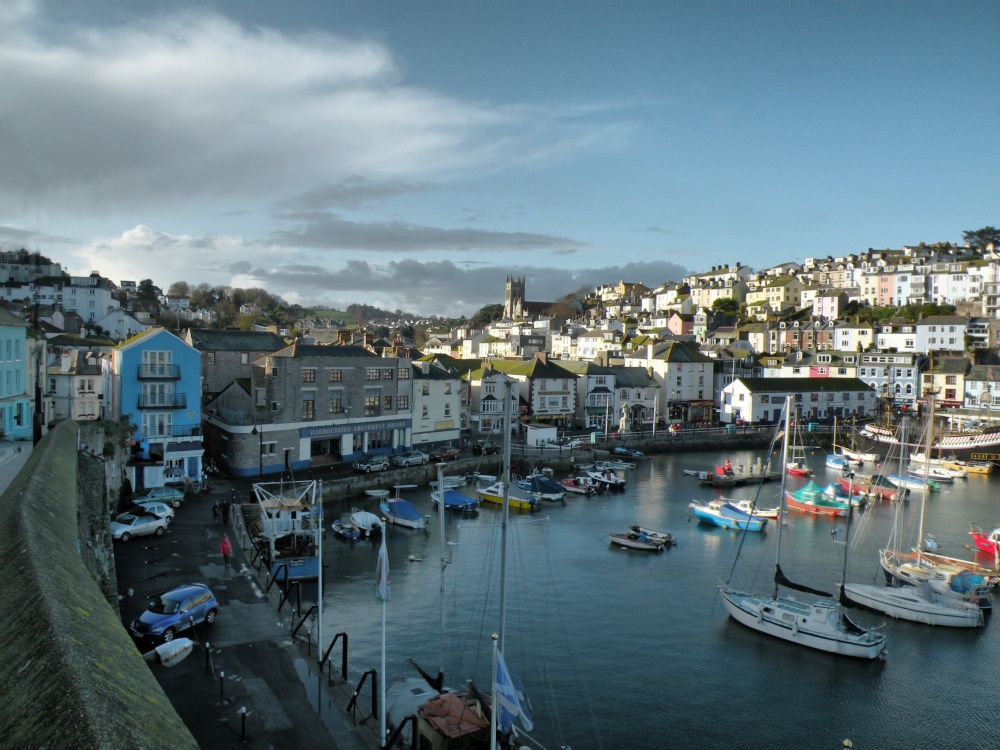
column 72, row 675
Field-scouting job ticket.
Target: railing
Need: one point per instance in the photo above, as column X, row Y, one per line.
column 159, row 372
column 163, row 401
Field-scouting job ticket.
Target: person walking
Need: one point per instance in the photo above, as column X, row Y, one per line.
column 226, row 505
column 226, row 548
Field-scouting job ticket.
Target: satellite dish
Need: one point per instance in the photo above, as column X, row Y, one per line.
column 190, row 415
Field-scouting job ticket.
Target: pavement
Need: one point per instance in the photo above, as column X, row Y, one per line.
column 13, row 455
column 248, row 681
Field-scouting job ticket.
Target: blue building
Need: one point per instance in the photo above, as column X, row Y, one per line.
column 15, row 402
column 158, row 390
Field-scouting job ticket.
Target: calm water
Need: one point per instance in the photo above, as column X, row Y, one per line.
column 631, row 649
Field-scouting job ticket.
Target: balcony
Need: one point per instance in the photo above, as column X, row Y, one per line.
column 163, row 401
column 159, row 372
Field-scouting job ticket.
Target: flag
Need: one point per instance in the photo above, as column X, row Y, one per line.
column 509, row 699
column 382, row 574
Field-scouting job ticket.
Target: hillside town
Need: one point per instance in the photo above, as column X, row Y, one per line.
column 719, row 347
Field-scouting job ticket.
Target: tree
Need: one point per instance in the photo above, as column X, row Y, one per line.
column 179, row 289
column 487, row 315
column 981, row 238
column 147, row 295
column 726, row 306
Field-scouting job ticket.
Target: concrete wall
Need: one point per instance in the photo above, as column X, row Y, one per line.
column 72, row 677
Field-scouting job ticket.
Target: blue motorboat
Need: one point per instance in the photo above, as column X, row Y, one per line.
column 402, row 512
column 542, row 487
column 720, row 513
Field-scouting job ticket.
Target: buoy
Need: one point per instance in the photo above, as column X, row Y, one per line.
column 847, row 743
column 414, row 558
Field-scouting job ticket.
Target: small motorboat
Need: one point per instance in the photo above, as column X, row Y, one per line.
column 989, row 543
column 542, row 487
column 344, row 530
column 798, row 469
column 662, row 536
column 400, row 512
column 750, row 508
column 516, row 498
column 367, row 523
column 633, row 540
column 456, row 502
column 607, row 479
column 579, row 485
column 725, row 515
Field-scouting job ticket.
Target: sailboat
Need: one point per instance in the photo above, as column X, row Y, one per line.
column 914, row 603
column 819, row 623
column 945, row 575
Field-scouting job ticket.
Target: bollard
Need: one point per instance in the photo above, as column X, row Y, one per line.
column 222, row 686
column 208, row 657
column 243, row 723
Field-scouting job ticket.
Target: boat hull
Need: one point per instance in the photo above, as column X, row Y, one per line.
column 730, row 518
column 816, row 509
column 624, row 540
column 908, row 603
column 814, row 626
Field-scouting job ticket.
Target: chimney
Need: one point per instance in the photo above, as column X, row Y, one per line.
column 425, row 368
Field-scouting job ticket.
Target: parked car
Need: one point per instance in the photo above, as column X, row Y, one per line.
column 446, row 454
column 170, row 495
column 413, row 458
column 570, row 442
column 176, row 610
column 153, row 508
column 621, row 450
column 128, row 525
column 370, row 463
column 485, row 448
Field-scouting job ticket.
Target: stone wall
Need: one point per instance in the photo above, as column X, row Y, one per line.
column 73, row 678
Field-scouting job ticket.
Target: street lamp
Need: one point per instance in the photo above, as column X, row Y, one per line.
column 260, row 452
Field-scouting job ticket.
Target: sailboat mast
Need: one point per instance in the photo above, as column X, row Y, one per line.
column 784, row 479
column 927, row 472
column 505, row 515
column 444, row 564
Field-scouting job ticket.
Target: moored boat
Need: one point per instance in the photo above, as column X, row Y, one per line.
column 400, row 512
column 814, row 500
column 661, row 536
column 517, row 499
column 988, row 543
column 455, row 501
column 721, row 513
column 640, row 541
column 368, row 523
column 748, row 506
column 579, row 485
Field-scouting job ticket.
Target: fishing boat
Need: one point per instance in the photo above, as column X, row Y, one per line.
column 608, row 479
column 517, row 499
column 819, row 622
column 750, row 506
column 455, row 501
column 837, row 462
column 720, row 513
column 367, row 523
column 637, row 540
column 813, row 499
column 288, row 532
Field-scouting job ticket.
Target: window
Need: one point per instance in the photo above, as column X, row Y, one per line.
column 269, row 449
column 403, row 403
column 210, row 358
column 387, row 403
column 951, row 380
column 309, row 375
column 447, row 389
column 372, row 404
column 423, row 412
column 623, row 395
column 403, row 373
column 841, row 370
column 245, row 359
column 308, row 409
column 425, row 389
column 386, row 374
column 336, row 376
column 336, row 402
column 373, row 373
column 447, row 409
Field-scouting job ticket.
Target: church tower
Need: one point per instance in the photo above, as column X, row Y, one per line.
column 513, row 303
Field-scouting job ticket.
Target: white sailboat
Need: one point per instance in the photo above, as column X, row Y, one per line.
column 819, row 623
column 914, row 603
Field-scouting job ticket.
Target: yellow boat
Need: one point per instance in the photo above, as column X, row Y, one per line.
column 517, row 501
column 971, row 467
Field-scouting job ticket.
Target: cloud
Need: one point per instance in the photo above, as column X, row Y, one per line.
column 435, row 287
column 329, row 231
column 196, row 106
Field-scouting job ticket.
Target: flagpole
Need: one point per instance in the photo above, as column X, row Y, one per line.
column 318, row 531
column 382, row 594
column 381, row 682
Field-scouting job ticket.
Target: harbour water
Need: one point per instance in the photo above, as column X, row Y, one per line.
column 631, row 649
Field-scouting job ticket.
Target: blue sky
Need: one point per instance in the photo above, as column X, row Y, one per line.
column 412, row 155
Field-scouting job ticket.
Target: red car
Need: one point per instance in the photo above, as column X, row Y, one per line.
column 446, row 454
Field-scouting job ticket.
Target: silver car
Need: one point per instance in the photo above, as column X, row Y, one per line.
column 128, row 525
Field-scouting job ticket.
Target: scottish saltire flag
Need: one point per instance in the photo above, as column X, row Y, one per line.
column 382, row 574
column 508, row 701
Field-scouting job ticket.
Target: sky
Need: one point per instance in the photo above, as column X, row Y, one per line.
column 413, row 155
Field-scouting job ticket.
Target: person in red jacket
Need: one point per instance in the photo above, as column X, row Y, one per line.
column 226, row 548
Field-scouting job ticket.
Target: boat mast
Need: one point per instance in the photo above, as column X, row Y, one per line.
column 784, row 480
column 505, row 515
column 444, row 564
column 927, row 472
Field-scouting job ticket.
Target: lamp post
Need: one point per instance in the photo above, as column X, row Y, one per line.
column 260, row 451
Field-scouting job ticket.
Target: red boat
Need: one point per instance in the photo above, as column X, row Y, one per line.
column 989, row 543
column 866, row 488
column 798, row 469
